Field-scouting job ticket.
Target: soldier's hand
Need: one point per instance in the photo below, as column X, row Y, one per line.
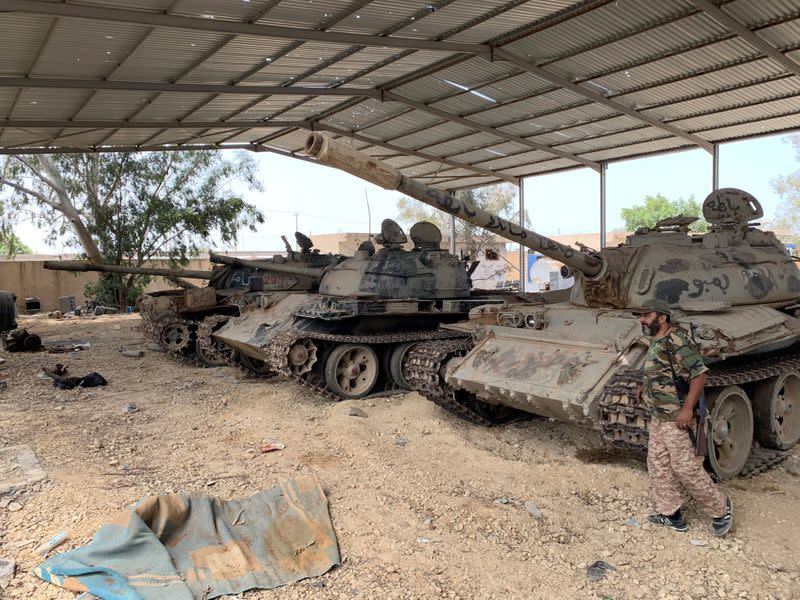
column 684, row 419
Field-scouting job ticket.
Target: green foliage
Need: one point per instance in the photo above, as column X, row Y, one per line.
column 126, row 209
column 660, row 207
column 11, row 245
column 112, row 289
column 787, row 214
column 497, row 199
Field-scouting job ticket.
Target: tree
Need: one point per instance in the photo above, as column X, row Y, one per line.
column 660, row 207
column 787, row 214
column 11, row 245
column 126, row 209
column 496, row 199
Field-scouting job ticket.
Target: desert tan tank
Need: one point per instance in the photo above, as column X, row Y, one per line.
column 735, row 291
column 183, row 320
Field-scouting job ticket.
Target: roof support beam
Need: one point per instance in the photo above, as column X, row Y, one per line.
column 188, row 88
column 759, row 43
column 562, row 82
column 140, row 17
column 389, row 95
column 30, row 124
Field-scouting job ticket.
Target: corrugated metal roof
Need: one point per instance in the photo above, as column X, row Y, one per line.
column 455, row 91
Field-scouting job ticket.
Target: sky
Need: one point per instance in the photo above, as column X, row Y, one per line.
column 316, row 199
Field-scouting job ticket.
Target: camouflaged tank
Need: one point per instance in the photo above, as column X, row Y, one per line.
column 181, row 321
column 735, row 291
column 352, row 338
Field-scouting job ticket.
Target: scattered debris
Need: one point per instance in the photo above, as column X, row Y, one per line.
column 531, row 507
column 318, row 584
column 356, row 412
column 104, row 310
column 62, row 382
column 130, row 408
column 7, row 568
column 18, row 468
column 19, row 340
column 272, row 447
column 14, row 507
column 424, row 540
column 154, row 348
column 502, row 500
column 632, row 522
column 698, row 542
column 64, row 346
column 400, row 441
column 52, row 543
column 793, row 470
column 133, row 353
column 597, row 570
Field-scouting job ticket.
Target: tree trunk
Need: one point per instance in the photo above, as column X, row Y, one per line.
column 70, row 212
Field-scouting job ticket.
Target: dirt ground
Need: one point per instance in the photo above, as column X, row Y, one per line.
column 424, row 505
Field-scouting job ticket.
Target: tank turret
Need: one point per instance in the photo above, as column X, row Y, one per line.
column 426, row 271
column 749, row 265
column 734, row 290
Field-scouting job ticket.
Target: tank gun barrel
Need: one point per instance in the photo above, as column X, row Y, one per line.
column 335, row 154
column 265, row 265
column 84, row 266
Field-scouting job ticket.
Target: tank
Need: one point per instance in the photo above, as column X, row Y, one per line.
column 352, row 338
column 735, row 291
column 182, row 320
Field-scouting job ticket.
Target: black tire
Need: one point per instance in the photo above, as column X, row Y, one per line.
column 8, row 311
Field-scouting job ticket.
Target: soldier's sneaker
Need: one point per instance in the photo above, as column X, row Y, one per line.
column 676, row 522
column 722, row 525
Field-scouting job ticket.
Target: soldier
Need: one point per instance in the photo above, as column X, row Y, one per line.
column 674, row 376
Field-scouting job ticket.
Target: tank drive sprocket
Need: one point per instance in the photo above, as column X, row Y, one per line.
column 175, row 334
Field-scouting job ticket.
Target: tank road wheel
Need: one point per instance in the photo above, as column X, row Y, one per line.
column 399, row 354
column 730, row 435
column 255, row 366
column 776, row 408
column 302, row 357
column 351, row 370
column 177, row 336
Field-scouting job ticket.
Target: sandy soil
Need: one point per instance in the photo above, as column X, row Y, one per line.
column 424, row 505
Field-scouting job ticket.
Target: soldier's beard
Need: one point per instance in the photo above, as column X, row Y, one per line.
column 649, row 330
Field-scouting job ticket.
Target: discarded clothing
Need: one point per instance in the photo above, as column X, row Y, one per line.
column 62, row 382
column 91, row 380
column 185, row 547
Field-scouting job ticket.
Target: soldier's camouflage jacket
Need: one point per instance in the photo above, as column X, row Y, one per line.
column 659, row 388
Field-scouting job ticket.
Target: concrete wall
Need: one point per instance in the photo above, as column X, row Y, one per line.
column 28, row 278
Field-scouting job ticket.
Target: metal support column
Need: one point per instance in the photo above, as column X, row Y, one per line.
column 603, row 169
column 452, row 234
column 523, row 262
column 715, row 168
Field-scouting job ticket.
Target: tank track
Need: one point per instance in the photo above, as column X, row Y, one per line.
column 624, row 421
column 207, row 345
column 422, row 371
column 277, row 354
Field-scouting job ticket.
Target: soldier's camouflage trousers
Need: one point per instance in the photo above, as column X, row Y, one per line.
column 672, row 464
